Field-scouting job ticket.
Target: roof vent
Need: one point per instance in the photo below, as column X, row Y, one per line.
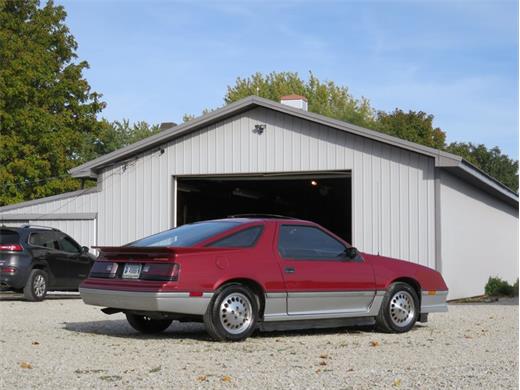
column 296, row 101
column 166, row 125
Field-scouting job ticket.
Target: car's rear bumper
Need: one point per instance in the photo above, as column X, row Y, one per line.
column 168, row 302
column 434, row 301
column 23, row 266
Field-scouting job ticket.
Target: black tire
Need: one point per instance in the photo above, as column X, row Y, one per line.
column 147, row 325
column 239, row 298
column 391, row 318
column 36, row 287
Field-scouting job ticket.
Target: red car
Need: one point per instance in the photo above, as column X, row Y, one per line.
column 272, row 273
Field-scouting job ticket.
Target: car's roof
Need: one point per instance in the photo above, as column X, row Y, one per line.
column 29, row 227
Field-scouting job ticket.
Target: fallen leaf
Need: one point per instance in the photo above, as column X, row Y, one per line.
column 202, row 378
column 35, row 343
column 111, row 378
column 374, row 343
column 350, row 370
column 25, row 365
column 397, row 383
column 318, row 370
column 156, row 369
column 323, row 363
column 467, row 336
column 226, row 378
column 324, row 356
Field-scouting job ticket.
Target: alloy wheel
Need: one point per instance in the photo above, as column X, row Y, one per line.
column 235, row 313
column 402, row 309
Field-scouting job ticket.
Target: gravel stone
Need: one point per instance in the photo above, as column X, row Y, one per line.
column 70, row 345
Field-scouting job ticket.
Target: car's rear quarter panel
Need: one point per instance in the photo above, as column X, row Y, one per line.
column 207, row 271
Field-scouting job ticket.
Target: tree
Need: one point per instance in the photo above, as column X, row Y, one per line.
column 47, row 109
column 115, row 135
column 414, row 126
column 492, row 161
column 324, row 98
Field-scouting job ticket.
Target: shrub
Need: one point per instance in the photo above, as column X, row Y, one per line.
column 515, row 288
column 497, row 287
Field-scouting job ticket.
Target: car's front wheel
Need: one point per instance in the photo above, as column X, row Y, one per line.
column 232, row 314
column 145, row 324
column 36, row 287
column 399, row 310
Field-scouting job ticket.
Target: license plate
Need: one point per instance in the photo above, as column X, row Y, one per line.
column 132, row 271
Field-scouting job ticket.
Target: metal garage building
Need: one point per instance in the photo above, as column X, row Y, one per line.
column 383, row 194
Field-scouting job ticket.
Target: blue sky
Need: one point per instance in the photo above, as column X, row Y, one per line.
column 458, row 60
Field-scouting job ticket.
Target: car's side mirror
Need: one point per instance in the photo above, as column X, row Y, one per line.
column 84, row 249
column 351, row 253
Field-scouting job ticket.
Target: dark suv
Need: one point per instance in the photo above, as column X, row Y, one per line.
column 35, row 259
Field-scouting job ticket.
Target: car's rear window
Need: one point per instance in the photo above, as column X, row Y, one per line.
column 186, row 235
column 242, row 239
column 9, row 237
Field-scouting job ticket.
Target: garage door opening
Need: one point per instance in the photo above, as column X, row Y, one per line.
column 325, row 199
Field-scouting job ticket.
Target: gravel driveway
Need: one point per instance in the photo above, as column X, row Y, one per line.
column 62, row 343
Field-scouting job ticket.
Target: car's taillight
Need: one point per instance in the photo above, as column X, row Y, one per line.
column 8, row 270
column 11, row 247
column 153, row 271
column 103, row 269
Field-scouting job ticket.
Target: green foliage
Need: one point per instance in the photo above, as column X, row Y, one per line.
column 412, row 126
column 47, row 110
column 492, row 161
column 496, row 287
column 324, row 98
column 115, row 135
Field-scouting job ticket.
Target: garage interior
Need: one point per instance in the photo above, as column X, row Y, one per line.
column 322, row 198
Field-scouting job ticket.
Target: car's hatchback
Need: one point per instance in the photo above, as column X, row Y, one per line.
column 36, row 259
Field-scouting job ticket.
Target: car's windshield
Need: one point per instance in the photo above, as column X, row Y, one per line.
column 186, row 235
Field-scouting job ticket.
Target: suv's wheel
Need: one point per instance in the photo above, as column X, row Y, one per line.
column 399, row 310
column 232, row 314
column 145, row 324
column 36, row 287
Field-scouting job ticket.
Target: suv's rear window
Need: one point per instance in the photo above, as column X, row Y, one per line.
column 186, row 235
column 9, row 237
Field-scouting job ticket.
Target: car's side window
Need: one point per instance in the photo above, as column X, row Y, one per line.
column 308, row 242
column 242, row 239
column 68, row 245
column 44, row 239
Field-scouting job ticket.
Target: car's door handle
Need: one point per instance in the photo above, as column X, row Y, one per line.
column 289, row 270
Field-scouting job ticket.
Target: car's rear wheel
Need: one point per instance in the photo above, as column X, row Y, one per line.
column 36, row 287
column 232, row 314
column 148, row 325
column 399, row 310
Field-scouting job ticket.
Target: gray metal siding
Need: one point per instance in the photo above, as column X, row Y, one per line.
column 393, row 189
column 81, row 202
column 479, row 237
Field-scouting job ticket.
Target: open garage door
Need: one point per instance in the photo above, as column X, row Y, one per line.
column 324, row 198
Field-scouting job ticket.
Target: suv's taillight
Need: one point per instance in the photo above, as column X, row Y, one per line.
column 158, row 271
column 103, row 269
column 8, row 270
column 11, row 247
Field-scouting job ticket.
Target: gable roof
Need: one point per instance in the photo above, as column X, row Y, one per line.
column 442, row 159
